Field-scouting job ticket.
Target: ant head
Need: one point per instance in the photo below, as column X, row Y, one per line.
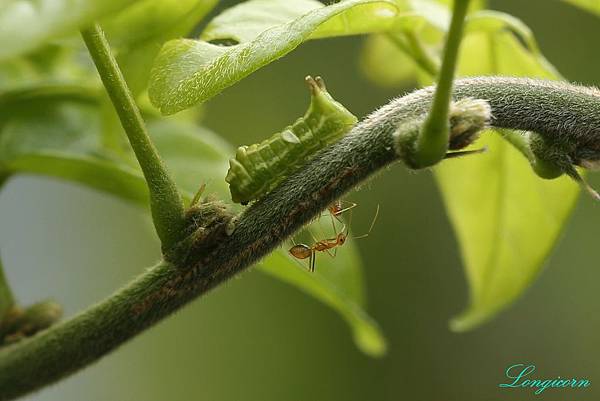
column 341, row 238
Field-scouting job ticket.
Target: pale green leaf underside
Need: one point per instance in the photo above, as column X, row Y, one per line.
column 61, row 136
column 367, row 335
column 187, row 72
column 506, row 218
column 26, row 24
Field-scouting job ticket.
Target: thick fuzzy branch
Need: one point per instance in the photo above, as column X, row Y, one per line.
column 560, row 112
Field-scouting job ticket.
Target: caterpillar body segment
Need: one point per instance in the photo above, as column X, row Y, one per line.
column 258, row 168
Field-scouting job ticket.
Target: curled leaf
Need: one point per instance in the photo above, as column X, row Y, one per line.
column 187, row 72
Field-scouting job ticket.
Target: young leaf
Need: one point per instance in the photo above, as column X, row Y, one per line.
column 187, row 72
column 26, row 24
column 326, row 285
column 59, row 135
column 589, row 5
column 506, row 218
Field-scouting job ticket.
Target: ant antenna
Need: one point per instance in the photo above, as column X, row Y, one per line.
column 462, row 153
column 574, row 174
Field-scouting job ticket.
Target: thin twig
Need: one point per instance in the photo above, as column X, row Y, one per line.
column 166, row 203
column 433, row 142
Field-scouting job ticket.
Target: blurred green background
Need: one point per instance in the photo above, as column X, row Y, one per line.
column 258, row 339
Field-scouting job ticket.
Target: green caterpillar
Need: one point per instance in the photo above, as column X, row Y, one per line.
column 258, row 168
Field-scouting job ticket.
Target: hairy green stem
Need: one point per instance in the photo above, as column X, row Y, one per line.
column 554, row 110
column 166, row 203
column 433, row 142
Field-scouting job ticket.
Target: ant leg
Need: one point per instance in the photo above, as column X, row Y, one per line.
column 334, row 252
column 334, row 217
column 293, row 240
column 574, row 174
column 313, row 236
column 462, row 153
column 337, row 213
column 372, row 224
column 302, row 264
column 351, row 205
column 331, row 254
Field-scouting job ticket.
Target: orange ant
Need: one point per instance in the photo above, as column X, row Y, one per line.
column 337, row 208
column 303, row 251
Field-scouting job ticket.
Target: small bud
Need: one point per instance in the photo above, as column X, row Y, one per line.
column 468, row 117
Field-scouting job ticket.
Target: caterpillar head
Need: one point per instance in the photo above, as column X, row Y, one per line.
column 325, row 109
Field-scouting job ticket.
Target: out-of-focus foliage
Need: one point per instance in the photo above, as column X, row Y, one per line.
column 26, row 24
column 589, row 5
column 139, row 31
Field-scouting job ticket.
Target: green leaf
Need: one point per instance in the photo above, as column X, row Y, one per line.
column 424, row 11
column 58, row 133
column 49, row 65
column 589, row 5
column 187, row 72
column 409, row 51
column 506, row 218
column 26, row 24
column 330, row 284
column 153, row 21
column 392, row 61
column 138, row 33
column 384, row 64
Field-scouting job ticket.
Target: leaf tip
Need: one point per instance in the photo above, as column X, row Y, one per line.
column 370, row 340
column 470, row 319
